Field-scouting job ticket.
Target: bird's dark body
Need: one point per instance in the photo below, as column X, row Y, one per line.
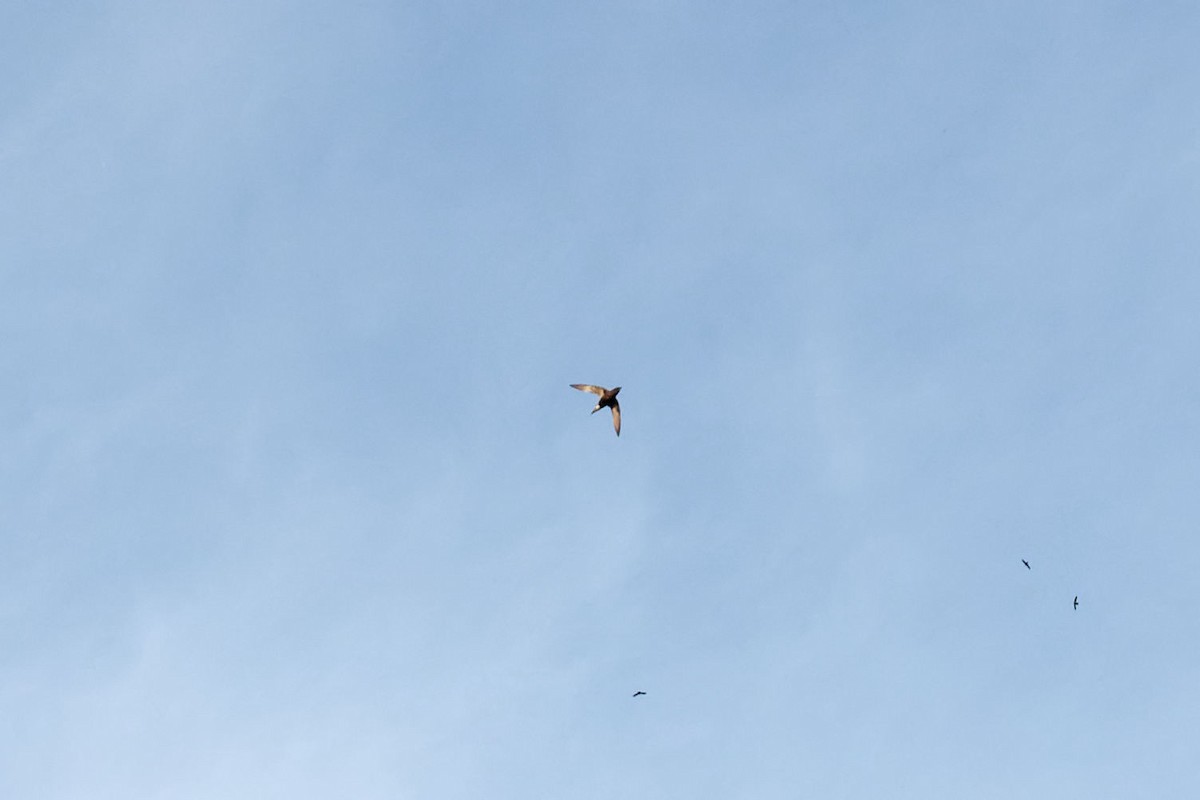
column 607, row 400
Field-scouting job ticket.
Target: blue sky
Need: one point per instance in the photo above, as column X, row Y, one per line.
column 295, row 500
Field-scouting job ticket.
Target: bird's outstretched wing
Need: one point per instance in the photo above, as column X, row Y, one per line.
column 616, row 408
column 587, row 387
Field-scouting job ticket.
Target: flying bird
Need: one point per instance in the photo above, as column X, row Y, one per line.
column 608, row 399
column 1075, row 605
column 1026, row 563
column 635, row 694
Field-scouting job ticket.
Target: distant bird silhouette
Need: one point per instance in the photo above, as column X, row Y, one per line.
column 1026, row 563
column 635, row 694
column 608, row 399
column 1075, row 605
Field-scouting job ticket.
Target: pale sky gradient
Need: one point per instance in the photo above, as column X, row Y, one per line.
column 295, row 501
